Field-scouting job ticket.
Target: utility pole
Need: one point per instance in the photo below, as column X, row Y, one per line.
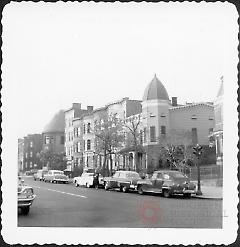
column 197, row 151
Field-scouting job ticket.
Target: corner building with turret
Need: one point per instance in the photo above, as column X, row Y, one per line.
column 165, row 121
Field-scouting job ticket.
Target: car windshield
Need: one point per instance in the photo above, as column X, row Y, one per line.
column 178, row 175
column 132, row 175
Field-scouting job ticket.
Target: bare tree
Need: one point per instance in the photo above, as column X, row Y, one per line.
column 109, row 138
column 134, row 140
column 175, row 146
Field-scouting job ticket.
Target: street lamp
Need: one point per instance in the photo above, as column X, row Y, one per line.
column 197, row 151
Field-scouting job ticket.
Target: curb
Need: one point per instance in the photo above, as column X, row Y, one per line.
column 207, row 198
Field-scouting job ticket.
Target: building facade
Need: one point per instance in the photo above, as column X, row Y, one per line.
column 53, row 134
column 70, row 115
column 218, row 128
column 155, row 119
column 29, row 148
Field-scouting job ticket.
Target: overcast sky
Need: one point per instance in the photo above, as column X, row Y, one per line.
column 57, row 54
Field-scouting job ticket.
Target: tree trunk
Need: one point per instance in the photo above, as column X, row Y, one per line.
column 136, row 161
column 111, row 161
column 104, row 163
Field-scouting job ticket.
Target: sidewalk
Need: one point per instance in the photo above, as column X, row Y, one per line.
column 210, row 192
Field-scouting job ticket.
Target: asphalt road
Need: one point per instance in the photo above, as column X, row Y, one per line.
column 64, row 205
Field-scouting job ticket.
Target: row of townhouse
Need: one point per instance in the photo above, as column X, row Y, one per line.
column 157, row 117
column 72, row 131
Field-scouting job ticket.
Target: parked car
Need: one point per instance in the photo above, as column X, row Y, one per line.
column 167, row 182
column 55, row 176
column 124, row 180
column 88, row 179
column 39, row 175
column 25, row 197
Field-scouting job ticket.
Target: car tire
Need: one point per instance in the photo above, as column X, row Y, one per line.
column 88, row 185
column 166, row 193
column 76, row 184
column 187, row 195
column 124, row 189
column 140, row 190
column 106, row 186
column 25, row 210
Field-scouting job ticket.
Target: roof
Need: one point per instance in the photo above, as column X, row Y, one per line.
column 139, row 149
column 191, row 105
column 155, row 90
column 57, row 124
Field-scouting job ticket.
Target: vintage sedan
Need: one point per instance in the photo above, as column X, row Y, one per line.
column 167, row 182
column 25, row 197
column 87, row 179
column 124, row 180
column 39, row 175
column 55, row 176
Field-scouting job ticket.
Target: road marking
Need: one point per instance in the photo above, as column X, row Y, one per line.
column 67, row 193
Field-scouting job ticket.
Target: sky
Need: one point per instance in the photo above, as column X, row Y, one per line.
column 95, row 53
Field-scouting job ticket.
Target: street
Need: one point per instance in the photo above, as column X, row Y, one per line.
column 64, row 205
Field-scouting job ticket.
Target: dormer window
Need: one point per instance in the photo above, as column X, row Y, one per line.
column 163, row 115
column 210, row 118
column 152, row 115
column 194, row 117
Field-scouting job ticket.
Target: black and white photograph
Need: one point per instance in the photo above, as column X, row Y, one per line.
column 112, row 122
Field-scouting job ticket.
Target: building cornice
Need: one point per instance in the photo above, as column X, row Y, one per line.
column 191, row 105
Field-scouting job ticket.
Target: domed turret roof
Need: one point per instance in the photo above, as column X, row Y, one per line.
column 155, row 90
column 57, row 124
column 220, row 91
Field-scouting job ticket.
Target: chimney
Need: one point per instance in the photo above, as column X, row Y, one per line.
column 89, row 108
column 76, row 105
column 174, row 101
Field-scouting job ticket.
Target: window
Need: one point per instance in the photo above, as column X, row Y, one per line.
column 210, row 118
column 88, row 144
column 194, row 136
column 154, row 176
column 78, row 131
column 31, row 154
column 47, row 140
column 62, row 140
column 30, row 164
column 163, row 130
column 152, row 134
column 194, row 117
column 163, row 115
column 31, row 144
column 116, row 175
column 84, row 130
column 160, row 175
column 78, row 147
column 26, row 164
column 84, row 145
column 88, row 127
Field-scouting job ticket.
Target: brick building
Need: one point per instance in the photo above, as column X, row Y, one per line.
column 28, row 149
column 53, row 134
